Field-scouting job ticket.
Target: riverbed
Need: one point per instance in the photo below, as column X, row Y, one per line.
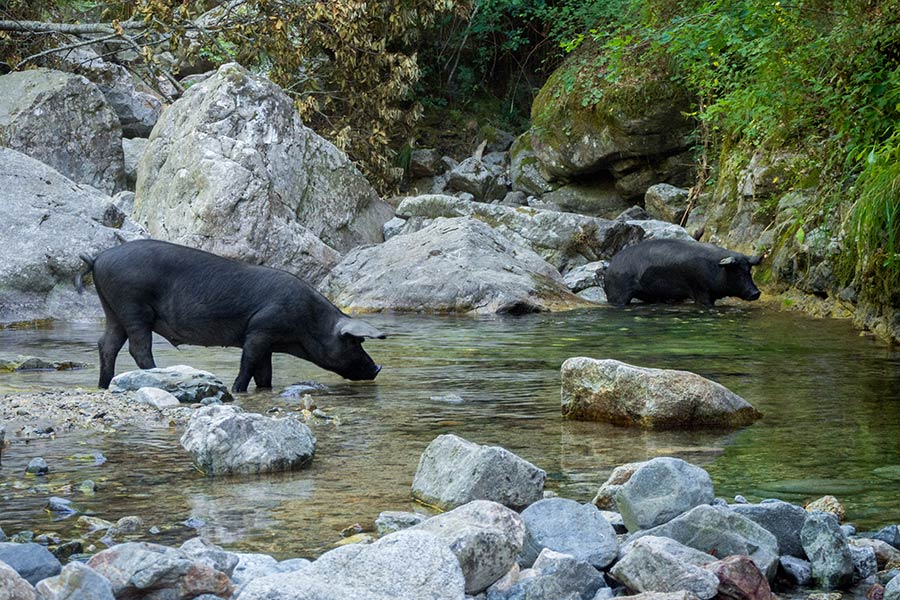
column 830, row 399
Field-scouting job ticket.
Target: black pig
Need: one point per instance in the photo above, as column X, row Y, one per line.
column 672, row 270
column 193, row 297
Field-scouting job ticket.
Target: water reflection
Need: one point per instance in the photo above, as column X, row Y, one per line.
column 830, row 400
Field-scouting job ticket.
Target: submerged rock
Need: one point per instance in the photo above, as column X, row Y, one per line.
column 622, row 394
column 224, row 440
column 453, row 471
column 454, row 265
column 185, row 383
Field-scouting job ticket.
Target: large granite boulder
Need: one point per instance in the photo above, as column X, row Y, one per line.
column 524, row 168
column 605, row 499
column 597, row 197
column 48, row 220
column 407, row 565
column 63, row 120
column 484, row 536
column 562, row 239
column 453, row 471
column 456, row 265
column 186, row 383
column 565, row 526
column 554, row 576
column 783, row 519
column 137, row 107
column 223, row 440
column 722, row 532
column 622, row 394
column 478, row 178
column 660, row 490
column 145, row 570
column 231, row 169
column 578, row 130
column 660, row 564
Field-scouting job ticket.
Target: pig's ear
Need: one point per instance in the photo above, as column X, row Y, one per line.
column 728, row 260
column 359, row 329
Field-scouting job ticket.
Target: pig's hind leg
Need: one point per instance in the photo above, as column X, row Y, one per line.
column 255, row 359
column 109, row 345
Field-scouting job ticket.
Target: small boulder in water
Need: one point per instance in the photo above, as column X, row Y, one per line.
column 185, row 383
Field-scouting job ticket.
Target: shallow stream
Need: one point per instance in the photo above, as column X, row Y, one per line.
column 830, row 398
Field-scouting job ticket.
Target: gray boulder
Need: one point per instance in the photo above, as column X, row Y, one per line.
column 133, row 149
column 395, row 226
column 622, row 394
column 477, row 178
column 865, row 564
column 224, row 440
column 48, row 220
column 211, row 555
column 721, row 531
column 892, row 589
column 156, row 398
column 827, row 549
column 586, row 276
column 185, row 383
column 76, row 582
column 13, row 586
column 231, row 169
column 666, row 202
column 64, row 121
column 660, row 564
column 605, row 499
column 660, row 490
column 391, row 521
column 597, row 198
column 253, row 566
column 562, row 239
column 660, row 230
column 453, row 265
column 31, row 561
column 424, row 162
column 782, row 519
column 143, row 570
column 137, row 107
column 553, row 576
column 453, row 471
column 484, row 536
column 566, row 526
column 407, row 565
column 524, row 168
column 796, row 570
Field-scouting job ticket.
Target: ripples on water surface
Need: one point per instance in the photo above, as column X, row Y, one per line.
column 830, row 397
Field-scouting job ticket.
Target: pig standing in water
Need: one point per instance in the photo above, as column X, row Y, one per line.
column 193, row 297
column 672, row 270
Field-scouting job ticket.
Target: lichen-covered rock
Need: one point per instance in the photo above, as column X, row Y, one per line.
column 597, row 198
column 224, row 440
column 48, row 220
column 666, row 202
column 827, row 504
column 643, row 116
column 828, row 550
column 720, row 531
column 484, row 536
column 144, row 570
column 659, row 564
column 660, row 490
column 622, row 394
column 230, row 169
column 186, row 383
column 524, row 170
column 454, row 265
column 407, row 565
column 562, row 239
column 453, row 471
column 477, row 178
column 565, row 526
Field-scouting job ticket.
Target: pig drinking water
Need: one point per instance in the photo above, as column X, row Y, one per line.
column 672, row 270
column 193, row 297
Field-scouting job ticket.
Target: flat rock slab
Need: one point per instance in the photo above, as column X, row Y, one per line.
column 623, row 394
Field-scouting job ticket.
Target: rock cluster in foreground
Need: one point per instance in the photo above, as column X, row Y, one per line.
column 501, row 539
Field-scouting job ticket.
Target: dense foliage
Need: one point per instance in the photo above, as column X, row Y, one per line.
column 818, row 78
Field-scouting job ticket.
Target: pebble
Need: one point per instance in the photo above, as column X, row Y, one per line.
column 37, row 466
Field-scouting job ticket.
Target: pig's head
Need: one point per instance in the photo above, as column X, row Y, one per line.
column 738, row 280
column 344, row 354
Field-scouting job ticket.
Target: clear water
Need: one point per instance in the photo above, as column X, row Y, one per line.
column 831, row 400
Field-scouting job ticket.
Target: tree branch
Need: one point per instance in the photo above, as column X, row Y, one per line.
column 70, row 28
